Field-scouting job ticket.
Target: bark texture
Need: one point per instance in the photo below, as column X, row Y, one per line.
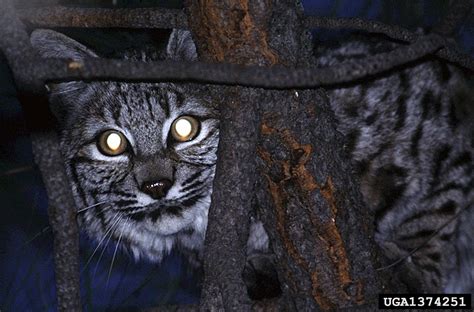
column 62, row 213
column 234, row 32
column 308, row 200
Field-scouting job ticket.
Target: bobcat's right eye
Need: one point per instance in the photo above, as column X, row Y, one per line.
column 185, row 128
column 112, row 143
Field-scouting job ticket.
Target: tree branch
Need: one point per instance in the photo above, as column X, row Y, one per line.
column 38, row 71
column 308, row 199
column 59, row 16
column 451, row 53
column 61, row 211
column 228, row 31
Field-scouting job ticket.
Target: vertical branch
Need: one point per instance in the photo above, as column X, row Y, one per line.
column 231, row 31
column 61, row 209
column 16, row 46
column 309, row 200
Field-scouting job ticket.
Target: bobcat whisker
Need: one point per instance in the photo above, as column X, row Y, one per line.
column 116, row 219
column 69, row 90
column 103, row 249
column 43, row 231
column 38, row 234
column 16, row 170
column 400, row 260
column 89, row 207
column 115, row 253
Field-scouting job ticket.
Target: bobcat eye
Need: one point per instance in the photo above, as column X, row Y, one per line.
column 112, row 143
column 185, row 128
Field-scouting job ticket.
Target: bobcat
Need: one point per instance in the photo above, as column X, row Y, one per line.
column 141, row 157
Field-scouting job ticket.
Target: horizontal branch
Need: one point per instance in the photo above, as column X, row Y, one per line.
column 392, row 31
column 278, row 77
column 451, row 54
column 59, row 16
column 148, row 18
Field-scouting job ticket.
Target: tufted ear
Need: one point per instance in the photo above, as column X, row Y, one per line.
column 181, row 46
column 50, row 43
column 65, row 97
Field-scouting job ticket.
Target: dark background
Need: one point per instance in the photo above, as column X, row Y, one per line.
column 26, row 260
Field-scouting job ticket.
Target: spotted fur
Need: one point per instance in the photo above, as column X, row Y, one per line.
column 410, row 136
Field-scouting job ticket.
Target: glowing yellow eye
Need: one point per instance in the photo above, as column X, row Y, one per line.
column 185, row 128
column 112, row 143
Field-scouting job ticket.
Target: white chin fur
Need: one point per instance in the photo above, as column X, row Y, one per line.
column 153, row 241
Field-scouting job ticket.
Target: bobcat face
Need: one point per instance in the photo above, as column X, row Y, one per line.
column 140, row 156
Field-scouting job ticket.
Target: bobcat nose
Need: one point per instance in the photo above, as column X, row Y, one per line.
column 157, row 189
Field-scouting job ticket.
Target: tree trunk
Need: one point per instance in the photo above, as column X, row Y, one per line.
column 308, row 199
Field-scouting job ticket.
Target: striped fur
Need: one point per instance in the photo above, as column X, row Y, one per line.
column 110, row 186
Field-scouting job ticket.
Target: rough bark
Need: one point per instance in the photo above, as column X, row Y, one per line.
column 61, row 207
column 234, row 32
column 309, row 201
column 60, row 16
column 62, row 212
column 230, row 74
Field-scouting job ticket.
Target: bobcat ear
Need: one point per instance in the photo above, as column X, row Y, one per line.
column 50, row 43
column 63, row 96
column 181, row 46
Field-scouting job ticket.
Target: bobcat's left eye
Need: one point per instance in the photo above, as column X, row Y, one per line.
column 185, row 128
column 112, row 143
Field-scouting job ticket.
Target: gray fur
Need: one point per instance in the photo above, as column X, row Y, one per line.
column 181, row 46
column 410, row 141
column 143, row 112
column 50, row 43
